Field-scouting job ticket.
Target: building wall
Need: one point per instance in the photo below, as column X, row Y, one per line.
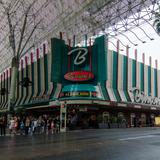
column 122, row 75
column 38, row 70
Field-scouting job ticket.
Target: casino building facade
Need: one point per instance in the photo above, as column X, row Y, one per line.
column 90, row 81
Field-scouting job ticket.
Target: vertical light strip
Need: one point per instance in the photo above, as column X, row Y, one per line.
column 4, row 86
column 149, row 80
column 50, row 86
column 156, row 78
column 69, row 56
column 22, row 77
column 8, row 85
column 130, row 78
column 90, row 55
column 142, row 77
column 120, row 78
column 129, row 74
column 146, row 79
column 151, row 76
column 35, row 78
column 38, row 73
column 125, row 78
column 32, row 76
column 0, row 90
column 109, row 84
column 17, row 88
column 109, row 63
column 44, row 66
column 152, row 82
column 138, row 75
column 42, row 76
column 134, row 78
column 115, row 76
column 29, row 87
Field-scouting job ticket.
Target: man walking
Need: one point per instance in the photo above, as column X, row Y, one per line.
column 4, row 125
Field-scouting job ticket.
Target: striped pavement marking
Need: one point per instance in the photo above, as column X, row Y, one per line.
column 138, row 137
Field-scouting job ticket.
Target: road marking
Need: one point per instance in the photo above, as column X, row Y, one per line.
column 139, row 137
column 100, row 143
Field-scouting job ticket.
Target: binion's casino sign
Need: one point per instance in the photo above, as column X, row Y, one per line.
column 79, row 58
column 92, row 94
column 140, row 97
column 82, row 71
column 79, row 72
column 79, row 76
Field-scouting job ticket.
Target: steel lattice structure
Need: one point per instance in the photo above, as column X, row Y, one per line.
column 73, row 17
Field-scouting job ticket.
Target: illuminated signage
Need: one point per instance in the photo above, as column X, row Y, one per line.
column 80, row 57
column 40, row 98
column 79, row 94
column 79, row 76
column 140, row 97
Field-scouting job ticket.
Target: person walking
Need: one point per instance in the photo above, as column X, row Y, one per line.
column 11, row 125
column 3, row 126
column 27, row 125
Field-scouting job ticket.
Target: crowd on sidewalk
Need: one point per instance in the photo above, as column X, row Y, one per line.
column 29, row 125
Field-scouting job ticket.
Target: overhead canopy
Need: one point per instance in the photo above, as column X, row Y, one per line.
column 73, row 17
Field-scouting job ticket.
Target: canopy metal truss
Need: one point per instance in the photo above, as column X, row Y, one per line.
column 72, row 17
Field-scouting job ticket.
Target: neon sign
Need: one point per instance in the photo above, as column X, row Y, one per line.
column 140, row 97
column 79, row 94
column 79, row 76
column 80, row 57
column 42, row 98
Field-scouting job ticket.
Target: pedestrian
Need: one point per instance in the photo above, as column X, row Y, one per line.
column 11, row 125
column 34, row 126
column 3, row 126
column 15, row 125
column 27, row 125
column 53, row 126
column 22, row 127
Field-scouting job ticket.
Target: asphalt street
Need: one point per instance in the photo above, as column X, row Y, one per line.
column 100, row 144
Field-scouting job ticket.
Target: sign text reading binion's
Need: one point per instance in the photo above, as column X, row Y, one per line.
column 140, row 97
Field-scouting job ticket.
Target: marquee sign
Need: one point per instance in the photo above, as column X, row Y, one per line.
column 80, row 70
column 140, row 97
column 79, row 94
column 37, row 99
column 79, row 76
